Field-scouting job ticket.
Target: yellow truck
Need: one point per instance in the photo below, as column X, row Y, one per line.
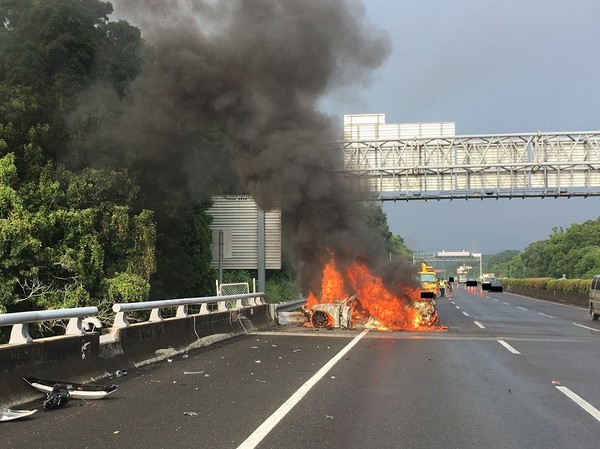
column 428, row 280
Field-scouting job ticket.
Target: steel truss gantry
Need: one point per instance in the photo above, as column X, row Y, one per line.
column 478, row 166
column 448, row 256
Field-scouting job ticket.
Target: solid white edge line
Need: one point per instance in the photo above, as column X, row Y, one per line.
column 586, row 327
column 261, row 432
column 507, row 346
column 580, row 402
column 479, row 324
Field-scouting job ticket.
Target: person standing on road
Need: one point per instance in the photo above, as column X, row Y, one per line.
column 442, row 287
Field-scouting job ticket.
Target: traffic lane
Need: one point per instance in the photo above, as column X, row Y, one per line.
column 550, row 309
column 438, row 392
column 515, row 314
column 572, row 364
column 456, row 318
column 226, row 389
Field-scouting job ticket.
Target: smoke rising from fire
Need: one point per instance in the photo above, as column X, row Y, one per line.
column 257, row 69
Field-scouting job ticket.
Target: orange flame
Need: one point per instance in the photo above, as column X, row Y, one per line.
column 374, row 300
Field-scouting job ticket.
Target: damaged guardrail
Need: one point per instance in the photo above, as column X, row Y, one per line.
column 121, row 309
column 20, row 321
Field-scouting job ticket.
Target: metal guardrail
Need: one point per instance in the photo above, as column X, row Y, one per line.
column 80, row 317
column 20, row 321
column 254, row 299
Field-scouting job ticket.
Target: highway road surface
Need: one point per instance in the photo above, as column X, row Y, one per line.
column 509, row 372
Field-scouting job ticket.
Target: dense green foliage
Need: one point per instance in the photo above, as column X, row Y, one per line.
column 558, row 285
column 573, row 253
column 73, row 235
column 376, row 219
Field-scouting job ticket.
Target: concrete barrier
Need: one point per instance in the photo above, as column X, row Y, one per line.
column 578, row 299
column 83, row 358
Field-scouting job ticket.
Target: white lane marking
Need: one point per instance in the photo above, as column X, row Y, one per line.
column 586, row 327
column 261, row 432
column 507, row 346
column 543, row 314
column 507, row 303
column 465, row 313
column 458, row 307
column 479, row 324
column 495, row 299
column 522, row 308
column 580, row 402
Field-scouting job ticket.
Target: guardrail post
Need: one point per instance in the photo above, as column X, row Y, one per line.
column 120, row 320
column 20, row 334
column 156, row 315
column 222, row 306
column 182, row 312
column 74, row 327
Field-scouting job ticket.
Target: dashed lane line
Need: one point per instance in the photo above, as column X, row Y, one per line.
column 580, row 402
column 586, row 327
column 509, row 347
column 543, row 314
column 522, row 308
column 465, row 313
column 478, row 324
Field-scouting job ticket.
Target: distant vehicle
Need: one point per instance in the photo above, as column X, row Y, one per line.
column 429, row 281
column 471, row 282
column 594, row 297
column 486, row 280
column 495, row 286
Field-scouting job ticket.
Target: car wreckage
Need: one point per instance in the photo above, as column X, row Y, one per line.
column 338, row 314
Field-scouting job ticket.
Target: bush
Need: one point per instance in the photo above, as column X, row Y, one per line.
column 559, row 285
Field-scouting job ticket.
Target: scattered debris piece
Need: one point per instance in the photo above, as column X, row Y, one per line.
column 169, row 360
column 556, row 382
column 193, row 372
column 328, row 417
column 297, row 350
column 257, row 361
column 76, row 390
column 121, row 373
column 190, row 413
column 58, row 397
column 7, row 414
column 185, row 355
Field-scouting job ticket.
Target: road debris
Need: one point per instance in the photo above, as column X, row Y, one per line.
column 58, row 397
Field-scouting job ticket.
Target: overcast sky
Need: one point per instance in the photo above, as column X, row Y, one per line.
column 490, row 66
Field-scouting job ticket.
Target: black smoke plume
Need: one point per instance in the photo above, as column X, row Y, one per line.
column 258, row 69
